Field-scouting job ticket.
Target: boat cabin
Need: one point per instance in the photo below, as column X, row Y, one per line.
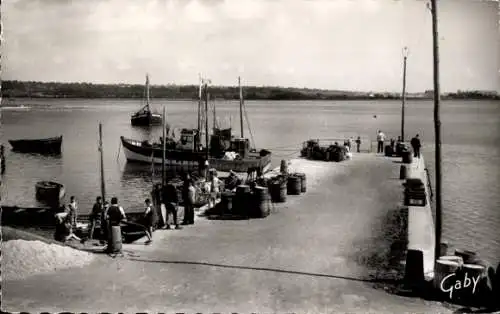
column 240, row 146
column 189, row 140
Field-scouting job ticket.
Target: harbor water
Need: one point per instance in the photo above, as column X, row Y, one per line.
column 470, row 148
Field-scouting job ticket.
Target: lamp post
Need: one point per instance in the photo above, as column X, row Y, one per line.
column 403, row 96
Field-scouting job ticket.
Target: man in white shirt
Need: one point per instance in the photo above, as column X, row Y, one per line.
column 380, row 142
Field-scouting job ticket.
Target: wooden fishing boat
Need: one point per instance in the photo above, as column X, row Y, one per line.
column 50, row 145
column 137, row 151
column 48, row 191
column 145, row 117
column 224, row 153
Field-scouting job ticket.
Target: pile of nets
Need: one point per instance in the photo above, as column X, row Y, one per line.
column 26, row 258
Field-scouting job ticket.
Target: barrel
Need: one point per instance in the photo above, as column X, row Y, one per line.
column 260, row 204
column 241, row 200
column 303, row 182
column 294, row 185
column 453, row 258
column 468, row 256
column 278, row 189
column 407, row 157
column 471, row 272
column 388, row 151
column 402, row 172
column 115, row 243
column 284, row 166
column 227, row 201
column 443, row 269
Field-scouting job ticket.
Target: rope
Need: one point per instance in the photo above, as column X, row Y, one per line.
column 249, row 127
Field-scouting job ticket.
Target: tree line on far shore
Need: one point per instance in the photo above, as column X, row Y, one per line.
column 20, row 89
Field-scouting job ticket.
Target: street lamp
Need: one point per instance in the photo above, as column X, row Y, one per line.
column 403, row 96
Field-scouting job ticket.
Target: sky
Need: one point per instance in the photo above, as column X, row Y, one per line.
column 330, row 44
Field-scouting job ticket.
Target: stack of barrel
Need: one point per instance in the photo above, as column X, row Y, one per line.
column 247, row 201
column 463, row 277
column 414, row 193
column 277, row 188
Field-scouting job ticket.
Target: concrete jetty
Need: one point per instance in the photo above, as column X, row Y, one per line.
column 328, row 250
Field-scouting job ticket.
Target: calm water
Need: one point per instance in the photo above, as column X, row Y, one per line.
column 471, row 148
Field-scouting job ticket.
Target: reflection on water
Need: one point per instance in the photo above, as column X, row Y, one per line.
column 470, row 135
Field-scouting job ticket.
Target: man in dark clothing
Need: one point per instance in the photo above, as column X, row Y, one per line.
column 188, row 195
column 95, row 215
column 415, row 144
column 115, row 214
column 171, row 201
column 104, row 223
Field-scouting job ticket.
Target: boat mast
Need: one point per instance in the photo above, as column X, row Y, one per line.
column 199, row 103
column 403, row 96
column 147, row 91
column 164, row 142
column 103, row 185
column 437, row 128
column 215, row 120
column 241, row 106
column 206, row 128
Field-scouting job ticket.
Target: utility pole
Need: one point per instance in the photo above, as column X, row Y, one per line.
column 403, row 96
column 437, row 127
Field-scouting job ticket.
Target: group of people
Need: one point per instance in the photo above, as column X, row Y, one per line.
column 414, row 142
column 108, row 215
column 102, row 212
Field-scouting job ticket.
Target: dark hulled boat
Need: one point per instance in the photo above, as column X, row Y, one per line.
column 145, row 117
column 50, row 192
column 50, row 145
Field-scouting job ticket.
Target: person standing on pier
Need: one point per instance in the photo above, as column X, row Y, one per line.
column 415, row 144
column 358, row 143
column 104, row 222
column 171, row 201
column 115, row 213
column 149, row 221
column 380, row 142
column 189, row 195
column 95, row 215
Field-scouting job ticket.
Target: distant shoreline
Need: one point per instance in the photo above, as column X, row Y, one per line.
column 44, row 90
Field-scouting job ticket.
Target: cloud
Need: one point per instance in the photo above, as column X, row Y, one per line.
column 341, row 44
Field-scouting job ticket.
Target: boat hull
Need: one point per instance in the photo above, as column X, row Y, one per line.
column 50, row 192
column 146, row 119
column 41, row 146
column 187, row 160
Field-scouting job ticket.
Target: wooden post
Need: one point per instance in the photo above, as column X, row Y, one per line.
column 405, row 56
column 199, row 105
column 241, row 106
column 437, row 126
column 101, row 151
column 163, row 150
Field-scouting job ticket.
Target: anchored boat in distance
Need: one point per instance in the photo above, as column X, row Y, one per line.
column 145, row 117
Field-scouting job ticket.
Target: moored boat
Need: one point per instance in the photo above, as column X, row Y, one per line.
column 50, row 145
column 48, row 191
column 225, row 152
column 240, row 160
column 145, row 117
